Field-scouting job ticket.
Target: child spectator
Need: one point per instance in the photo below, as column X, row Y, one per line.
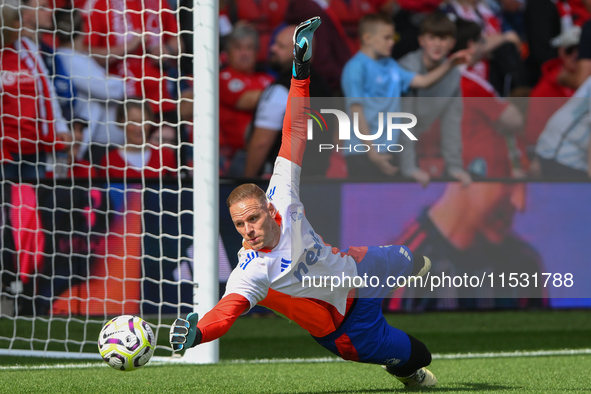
column 137, row 159
column 373, row 82
column 437, row 39
column 408, row 16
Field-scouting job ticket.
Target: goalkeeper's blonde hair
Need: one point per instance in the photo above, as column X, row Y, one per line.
column 246, row 191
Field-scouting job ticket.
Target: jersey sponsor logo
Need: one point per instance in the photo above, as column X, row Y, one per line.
column 249, row 257
column 311, row 257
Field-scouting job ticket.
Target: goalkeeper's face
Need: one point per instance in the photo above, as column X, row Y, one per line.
column 256, row 223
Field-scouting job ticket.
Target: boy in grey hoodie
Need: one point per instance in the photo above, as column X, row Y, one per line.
column 441, row 101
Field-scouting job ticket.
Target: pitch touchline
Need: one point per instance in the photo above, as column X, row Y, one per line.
column 450, row 356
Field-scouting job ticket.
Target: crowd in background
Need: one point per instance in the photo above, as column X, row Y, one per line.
column 104, row 87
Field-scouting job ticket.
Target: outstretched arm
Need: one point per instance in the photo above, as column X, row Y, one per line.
column 293, row 140
column 218, row 321
column 185, row 333
column 192, row 331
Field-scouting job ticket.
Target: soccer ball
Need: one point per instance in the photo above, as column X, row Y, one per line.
column 126, row 342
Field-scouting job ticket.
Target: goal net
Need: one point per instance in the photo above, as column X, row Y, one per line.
column 102, row 174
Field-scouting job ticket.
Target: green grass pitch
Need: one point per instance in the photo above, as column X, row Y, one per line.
column 270, row 338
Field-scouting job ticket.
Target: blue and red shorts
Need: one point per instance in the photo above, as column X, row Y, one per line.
column 365, row 336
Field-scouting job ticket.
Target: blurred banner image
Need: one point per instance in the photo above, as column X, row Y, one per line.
column 484, row 229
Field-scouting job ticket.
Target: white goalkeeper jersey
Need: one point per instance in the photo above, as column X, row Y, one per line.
column 294, row 278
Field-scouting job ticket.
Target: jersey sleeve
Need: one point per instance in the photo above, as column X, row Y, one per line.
column 284, row 186
column 218, row 321
column 249, row 279
column 293, row 138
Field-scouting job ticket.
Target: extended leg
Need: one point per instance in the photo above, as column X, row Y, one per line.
column 413, row 372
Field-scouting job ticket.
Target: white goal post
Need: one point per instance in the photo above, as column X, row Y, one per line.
column 80, row 244
column 206, row 179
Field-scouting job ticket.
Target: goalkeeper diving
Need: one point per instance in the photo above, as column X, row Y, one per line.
column 280, row 248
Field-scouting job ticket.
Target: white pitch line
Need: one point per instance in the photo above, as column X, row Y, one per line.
column 534, row 353
column 52, row 366
column 450, row 356
column 286, row 360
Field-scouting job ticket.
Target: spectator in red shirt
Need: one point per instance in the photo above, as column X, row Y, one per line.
column 240, row 88
column 489, row 123
column 137, row 159
column 545, row 19
column 31, row 121
column 558, row 73
column 137, row 40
